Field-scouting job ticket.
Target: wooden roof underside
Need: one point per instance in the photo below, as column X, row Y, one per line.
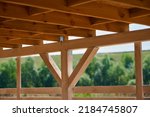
column 30, row 21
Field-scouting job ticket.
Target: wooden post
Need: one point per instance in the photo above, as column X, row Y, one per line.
column 138, row 71
column 18, row 61
column 66, row 70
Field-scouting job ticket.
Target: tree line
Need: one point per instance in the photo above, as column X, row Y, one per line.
column 100, row 72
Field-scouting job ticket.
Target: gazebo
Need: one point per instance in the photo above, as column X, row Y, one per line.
column 34, row 21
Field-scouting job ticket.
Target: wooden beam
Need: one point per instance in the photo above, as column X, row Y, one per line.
column 52, row 18
column 42, row 98
column 107, row 98
column 146, row 89
column 105, row 89
column 82, row 65
column 52, row 66
column 73, row 3
column 66, row 70
column 138, row 13
column 48, row 29
column 31, row 27
column 92, row 10
column 112, row 39
column 47, row 37
column 49, row 90
column 13, row 33
column 138, row 71
column 23, row 41
column 18, row 61
column 8, row 91
column 143, row 4
column 8, row 45
column 66, row 90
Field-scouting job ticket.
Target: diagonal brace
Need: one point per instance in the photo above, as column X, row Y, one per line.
column 52, row 66
column 82, row 65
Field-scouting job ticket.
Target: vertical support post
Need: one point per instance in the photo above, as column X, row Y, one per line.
column 18, row 61
column 138, row 71
column 66, row 70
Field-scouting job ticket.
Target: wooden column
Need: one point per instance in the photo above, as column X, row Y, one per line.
column 138, row 70
column 66, row 70
column 18, row 61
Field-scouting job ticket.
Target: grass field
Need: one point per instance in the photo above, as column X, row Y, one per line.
column 116, row 56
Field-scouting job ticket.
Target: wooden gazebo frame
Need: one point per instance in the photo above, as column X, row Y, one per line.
column 32, row 21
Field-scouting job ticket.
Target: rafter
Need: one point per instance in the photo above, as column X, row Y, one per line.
column 113, row 39
column 8, row 45
column 52, row 18
column 107, row 11
column 23, row 41
column 31, row 27
column 143, row 4
column 137, row 13
column 13, row 33
column 48, row 29
column 53, row 68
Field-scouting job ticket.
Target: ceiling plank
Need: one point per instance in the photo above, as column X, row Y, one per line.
column 113, row 39
column 53, row 18
column 92, row 10
column 143, row 4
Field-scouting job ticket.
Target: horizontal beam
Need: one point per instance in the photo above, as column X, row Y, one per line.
column 107, row 98
column 8, row 45
column 41, row 98
column 113, row 39
column 50, row 90
column 78, row 89
column 105, row 89
column 8, row 90
column 146, row 89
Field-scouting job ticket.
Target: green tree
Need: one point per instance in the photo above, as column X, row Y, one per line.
column 146, row 70
column 93, row 66
column 117, row 75
column 84, row 80
column 8, row 74
column 46, row 78
column 101, row 76
column 29, row 74
column 132, row 82
column 127, row 61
